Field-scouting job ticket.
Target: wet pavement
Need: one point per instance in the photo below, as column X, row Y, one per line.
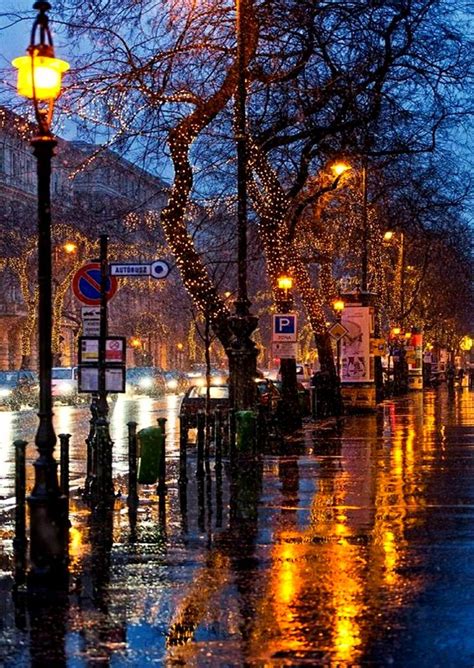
column 337, row 549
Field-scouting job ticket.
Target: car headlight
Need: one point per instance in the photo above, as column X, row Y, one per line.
column 172, row 384
column 5, row 393
column 145, row 383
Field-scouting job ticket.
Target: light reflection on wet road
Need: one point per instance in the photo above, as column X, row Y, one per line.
column 344, row 550
column 75, row 421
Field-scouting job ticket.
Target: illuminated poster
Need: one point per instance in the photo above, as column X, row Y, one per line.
column 355, row 346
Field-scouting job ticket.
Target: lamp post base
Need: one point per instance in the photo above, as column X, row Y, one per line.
column 49, row 525
column 242, row 356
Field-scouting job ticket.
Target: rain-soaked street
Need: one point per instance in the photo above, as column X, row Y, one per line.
column 341, row 550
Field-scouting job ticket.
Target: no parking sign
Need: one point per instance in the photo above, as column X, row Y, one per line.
column 86, row 284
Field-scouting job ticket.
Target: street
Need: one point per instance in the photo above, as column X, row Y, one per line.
column 342, row 550
column 75, row 421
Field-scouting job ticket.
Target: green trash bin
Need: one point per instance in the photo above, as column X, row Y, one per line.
column 150, row 443
column 245, row 430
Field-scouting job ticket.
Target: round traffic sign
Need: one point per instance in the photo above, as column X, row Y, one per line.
column 159, row 269
column 86, row 284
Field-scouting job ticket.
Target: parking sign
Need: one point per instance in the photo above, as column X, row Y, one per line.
column 284, row 327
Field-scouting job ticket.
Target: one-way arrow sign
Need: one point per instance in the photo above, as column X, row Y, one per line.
column 157, row 269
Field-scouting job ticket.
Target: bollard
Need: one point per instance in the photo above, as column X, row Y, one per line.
column 151, row 445
column 20, row 541
column 132, row 498
column 201, row 420
column 162, row 459
column 218, row 436
column 64, row 463
column 231, row 419
column 245, row 422
column 183, row 444
column 262, row 427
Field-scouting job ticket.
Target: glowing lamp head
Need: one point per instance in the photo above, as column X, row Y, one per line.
column 285, row 282
column 338, row 305
column 135, row 343
column 388, row 236
column 70, row 247
column 340, row 168
column 466, row 343
column 396, row 331
column 40, row 73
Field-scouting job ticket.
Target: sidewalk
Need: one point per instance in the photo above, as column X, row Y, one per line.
column 344, row 549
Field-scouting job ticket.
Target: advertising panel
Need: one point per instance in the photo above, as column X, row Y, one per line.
column 356, row 361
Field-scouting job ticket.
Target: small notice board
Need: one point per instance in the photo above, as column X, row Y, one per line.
column 115, row 355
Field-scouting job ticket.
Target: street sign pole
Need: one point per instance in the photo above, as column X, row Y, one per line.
column 103, row 442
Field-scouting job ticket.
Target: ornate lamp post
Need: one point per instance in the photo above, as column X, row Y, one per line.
column 39, row 78
column 290, row 413
column 338, row 306
column 243, row 352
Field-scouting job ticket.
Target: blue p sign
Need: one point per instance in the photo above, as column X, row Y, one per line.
column 284, row 324
column 284, row 327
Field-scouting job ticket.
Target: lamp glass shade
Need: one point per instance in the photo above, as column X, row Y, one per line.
column 339, row 168
column 47, row 76
column 285, row 282
column 338, row 305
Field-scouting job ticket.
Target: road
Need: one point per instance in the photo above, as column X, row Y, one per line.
column 331, row 550
column 75, row 421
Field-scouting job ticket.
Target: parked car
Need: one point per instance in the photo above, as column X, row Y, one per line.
column 18, row 388
column 145, row 380
column 197, row 375
column 303, row 374
column 177, row 382
column 304, row 397
column 194, row 399
column 64, row 385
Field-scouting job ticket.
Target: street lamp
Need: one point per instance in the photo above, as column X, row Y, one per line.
column 39, row 78
column 285, row 283
column 243, row 351
column 338, row 307
column 389, row 236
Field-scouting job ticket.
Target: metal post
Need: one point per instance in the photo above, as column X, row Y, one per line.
column 162, row 464
column 104, row 277
column 132, row 498
column 218, row 436
column 20, row 541
column 243, row 353
column 64, row 461
column 201, row 418
column 365, row 230
column 91, row 475
column 183, row 444
column 48, row 513
column 232, row 433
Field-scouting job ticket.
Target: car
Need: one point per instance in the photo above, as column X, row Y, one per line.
column 303, row 374
column 194, row 399
column 197, row 375
column 177, row 382
column 18, row 387
column 304, row 397
column 64, row 385
column 145, row 380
